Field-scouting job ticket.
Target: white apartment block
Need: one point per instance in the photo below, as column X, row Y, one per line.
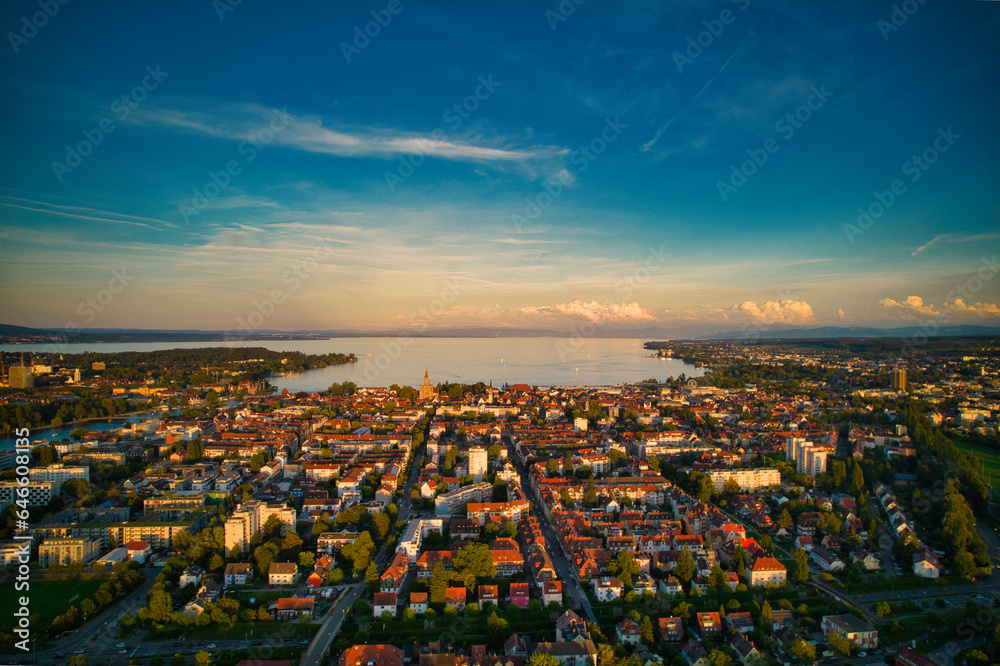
column 477, row 463
column 57, row 474
column 409, row 543
column 749, row 479
column 249, row 518
column 808, row 457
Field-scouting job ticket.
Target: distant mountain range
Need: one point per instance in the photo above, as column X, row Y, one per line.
column 854, row 332
column 21, row 334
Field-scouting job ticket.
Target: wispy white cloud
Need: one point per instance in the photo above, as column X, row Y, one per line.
column 309, row 133
column 83, row 213
column 929, row 244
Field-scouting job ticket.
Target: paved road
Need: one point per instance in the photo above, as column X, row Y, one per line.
column 85, row 638
column 338, row 612
column 335, row 617
column 567, row 574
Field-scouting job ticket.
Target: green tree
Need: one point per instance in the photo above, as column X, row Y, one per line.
column 590, row 493
column 371, row 575
column 766, row 616
column 785, row 519
column 438, row 583
column 882, row 608
column 685, row 567
column 203, row 657
column 263, row 555
column 731, row 487
column 801, row 565
column 159, row 605
column 646, row 630
column 719, row 658
column 803, row 652
column 542, row 659
column 497, row 628
column 307, row 560
column 475, row 559
column 840, row 644
column 624, row 567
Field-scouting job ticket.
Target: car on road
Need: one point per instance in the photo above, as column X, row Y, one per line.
column 211, row 646
column 121, row 645
column 176, row 644
column 862, row 654
column 61, row 655
column 123, row 651
column 79, row 650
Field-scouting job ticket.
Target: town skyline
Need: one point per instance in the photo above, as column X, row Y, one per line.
column 683, row 170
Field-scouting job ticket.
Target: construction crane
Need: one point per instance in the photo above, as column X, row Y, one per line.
column 217, row 368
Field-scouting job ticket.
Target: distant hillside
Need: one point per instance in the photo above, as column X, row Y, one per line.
column 851, row 332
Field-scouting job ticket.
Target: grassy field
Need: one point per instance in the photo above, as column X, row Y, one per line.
column 48, row 599
column 239, row 631
column 990, row 459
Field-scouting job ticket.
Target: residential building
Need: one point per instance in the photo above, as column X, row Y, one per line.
column 58, row 474
column 450, row 502
column 384, row 602
column 570, row 653
column 627, row 632
column 290, row 607
column 552, row 591
column 709, row 624
column 418, row 602
column 488, row 594
column 281, row 573
column 238, row 573
column 249, row 518
column 371, row 655
column 477, row 463
column 766, row 570
column 608, row 589
column 851, row 628
column 39, row 493
column 671, row 629
column 749, row 479
column 67, row 549
column 455, row 597
column 138, row 550
column 415, row 533
column 926, row 564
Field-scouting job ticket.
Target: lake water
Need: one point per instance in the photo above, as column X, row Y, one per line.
column 385, row 361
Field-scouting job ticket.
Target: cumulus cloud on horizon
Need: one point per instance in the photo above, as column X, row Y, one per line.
column 914, row 305
column 785, row 311
column 911, row 305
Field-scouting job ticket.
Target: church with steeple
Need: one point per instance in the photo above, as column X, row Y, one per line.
column 427, row 390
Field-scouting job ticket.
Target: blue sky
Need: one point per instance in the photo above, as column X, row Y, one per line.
column 684, row 167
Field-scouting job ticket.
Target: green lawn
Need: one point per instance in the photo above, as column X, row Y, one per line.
column 47, row 599
column 239, row 631
column 990, row 459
